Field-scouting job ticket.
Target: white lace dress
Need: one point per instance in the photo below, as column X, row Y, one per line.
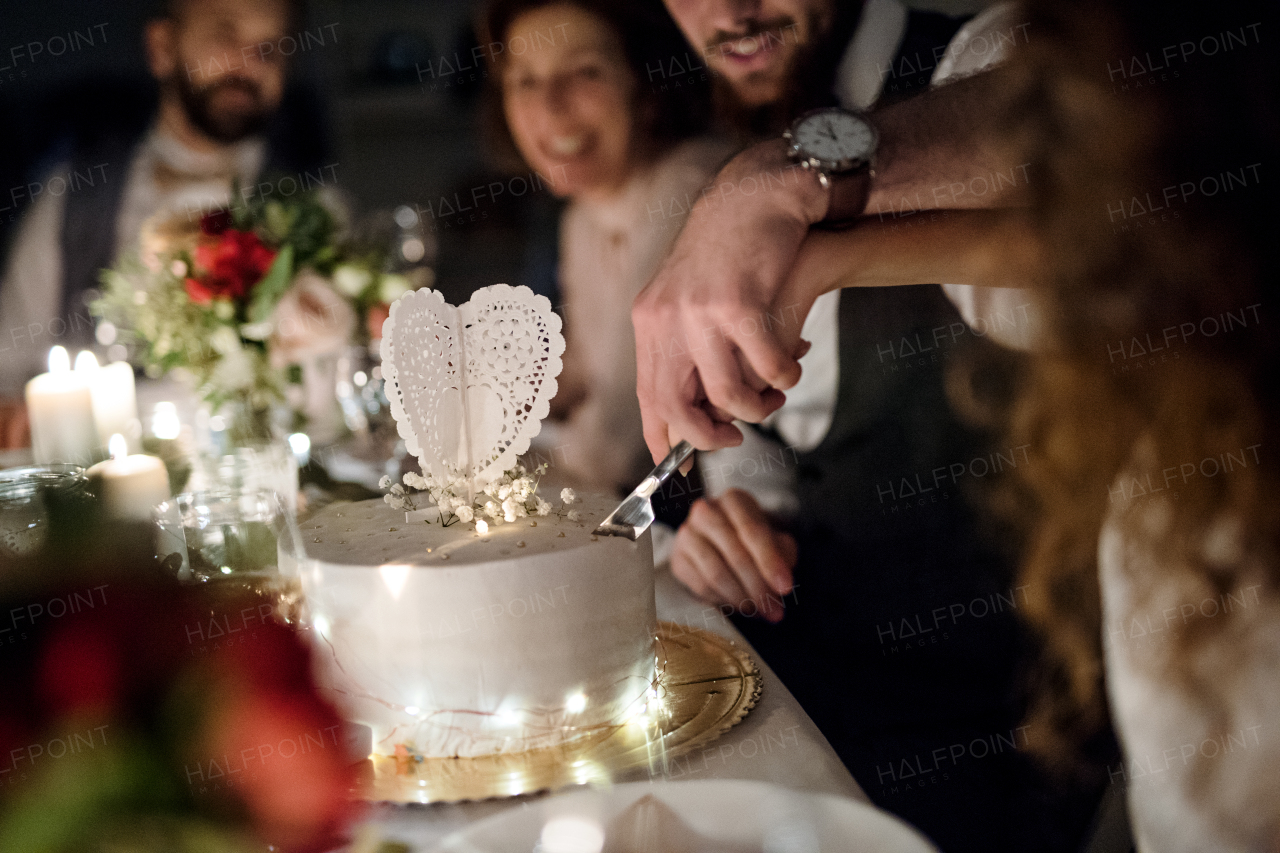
column 1202, row 766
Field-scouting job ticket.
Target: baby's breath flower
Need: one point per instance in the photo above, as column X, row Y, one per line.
column 574, row 515
column 509, row 509
column 465, row 514
column 542, row 507
column 385, row 482
column 568, row 496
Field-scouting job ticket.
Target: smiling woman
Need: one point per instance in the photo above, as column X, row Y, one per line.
column 587, row 102
column 598, row 70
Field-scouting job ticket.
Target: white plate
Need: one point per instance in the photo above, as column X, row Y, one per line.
column 750, row 815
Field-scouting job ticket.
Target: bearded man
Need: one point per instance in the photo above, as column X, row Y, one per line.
column 222, row 118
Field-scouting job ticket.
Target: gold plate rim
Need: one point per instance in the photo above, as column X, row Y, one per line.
column 707, row 684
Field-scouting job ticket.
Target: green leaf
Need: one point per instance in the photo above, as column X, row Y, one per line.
column 273, row 285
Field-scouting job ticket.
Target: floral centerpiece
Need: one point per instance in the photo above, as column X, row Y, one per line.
column 145, row 716
column 237, row 300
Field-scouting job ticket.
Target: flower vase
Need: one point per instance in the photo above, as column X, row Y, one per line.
column 242, row 448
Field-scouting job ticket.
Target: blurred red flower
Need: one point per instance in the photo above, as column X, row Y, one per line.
column 80, row 671
column 202, row 685
column 228, row 265
column 214, row 223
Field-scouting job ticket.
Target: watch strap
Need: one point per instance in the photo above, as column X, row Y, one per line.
column 847, row 194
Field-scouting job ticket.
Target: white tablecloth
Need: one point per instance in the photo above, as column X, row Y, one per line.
column 776, row 742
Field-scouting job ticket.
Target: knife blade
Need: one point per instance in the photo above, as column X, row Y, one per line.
column 634, row 515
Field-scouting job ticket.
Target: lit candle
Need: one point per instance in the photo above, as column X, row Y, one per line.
column 60, row 407
column 129, row 486
column 164, row 422
column 115, row 399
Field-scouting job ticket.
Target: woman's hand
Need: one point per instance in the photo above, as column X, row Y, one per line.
column 728, row 552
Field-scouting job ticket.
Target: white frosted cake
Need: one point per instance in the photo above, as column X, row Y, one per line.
column 456, row 643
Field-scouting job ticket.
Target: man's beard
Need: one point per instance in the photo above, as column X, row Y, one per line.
column 806, row 79
column 782, row 28
column 224, row 127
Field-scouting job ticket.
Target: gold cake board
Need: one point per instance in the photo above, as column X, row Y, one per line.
column 706, row 684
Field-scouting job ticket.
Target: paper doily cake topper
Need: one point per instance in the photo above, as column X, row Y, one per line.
column 469, row 386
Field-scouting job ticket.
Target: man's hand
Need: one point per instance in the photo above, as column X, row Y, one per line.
column 728, row 552
column 711, row 344
column 15, row 429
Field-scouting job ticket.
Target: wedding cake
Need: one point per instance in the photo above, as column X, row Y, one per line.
column 450, row 642
column 465, row 614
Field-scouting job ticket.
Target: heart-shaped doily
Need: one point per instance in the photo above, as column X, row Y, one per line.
column 469, row 386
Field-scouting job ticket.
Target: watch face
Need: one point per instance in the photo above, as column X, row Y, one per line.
column 834, row 137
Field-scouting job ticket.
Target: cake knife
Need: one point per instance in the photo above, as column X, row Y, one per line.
column 634, row 515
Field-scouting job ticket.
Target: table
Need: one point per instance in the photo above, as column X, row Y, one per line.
column 776, row 742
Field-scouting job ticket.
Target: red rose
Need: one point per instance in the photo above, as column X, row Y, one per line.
column 295, row 778
column 214, row 223
column 197, row 292
column 231, row 265
column 81, row 669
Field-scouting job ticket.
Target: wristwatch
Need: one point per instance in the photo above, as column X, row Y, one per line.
column 840, row 146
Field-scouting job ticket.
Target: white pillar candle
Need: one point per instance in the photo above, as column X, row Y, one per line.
column 129, row 486
column 115, row 399
column 60, row 407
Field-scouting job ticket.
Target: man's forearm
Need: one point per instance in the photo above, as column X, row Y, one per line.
column 937, row 151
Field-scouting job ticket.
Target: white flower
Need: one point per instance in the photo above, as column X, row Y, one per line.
column 392, row 287
column 224, row 340
column 256, row 331
column 492, row 509
column 574, row 515
column 504, row 492
column 235, row 369
column 510, row 509
column 568, row 496
column 465, row 514
column 385, row 482
column 351, row 280
column 542, row 507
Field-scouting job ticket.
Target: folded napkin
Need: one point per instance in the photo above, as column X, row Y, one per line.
column 650, row 826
